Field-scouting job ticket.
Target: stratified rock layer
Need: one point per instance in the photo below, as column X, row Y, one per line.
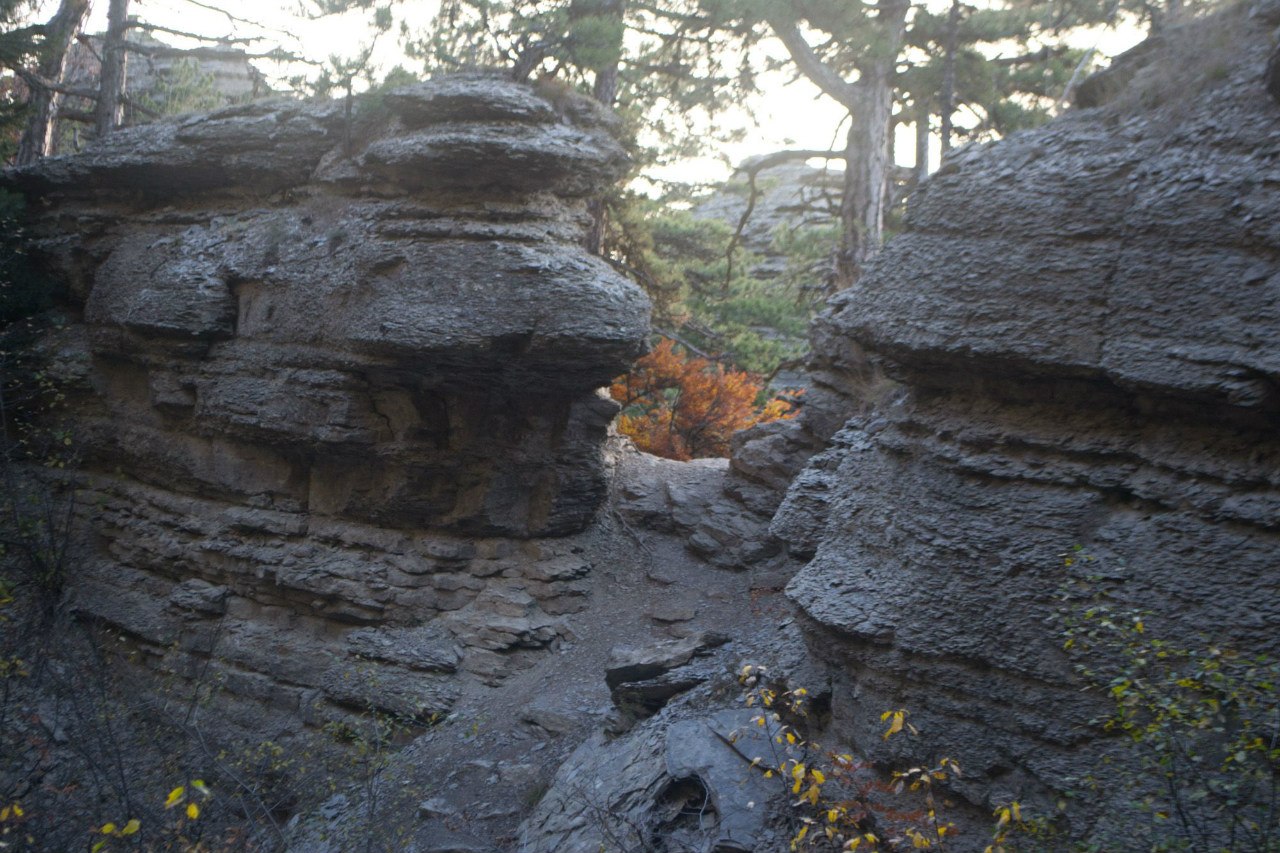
column 330, row 375
column 1083, row 325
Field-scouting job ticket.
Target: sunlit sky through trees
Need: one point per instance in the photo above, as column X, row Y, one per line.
column 788, row 113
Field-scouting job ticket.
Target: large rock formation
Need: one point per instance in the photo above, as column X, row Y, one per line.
column 330, row 375
column 1075, row 343
column 335, row 382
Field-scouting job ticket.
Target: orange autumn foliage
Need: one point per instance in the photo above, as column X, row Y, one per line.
column 683, row 407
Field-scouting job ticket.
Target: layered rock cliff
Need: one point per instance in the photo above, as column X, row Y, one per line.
column 1074, row 344
column 331, row 374
column 334, row 380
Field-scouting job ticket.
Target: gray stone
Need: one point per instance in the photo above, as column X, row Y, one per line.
column 549, row 720
column 1080, row 325
column 416, row 697
column 607, row 790
column 640, row 663
column 673, row 611
column 441, row 840
column 436, row 807
column 200, row 597
column 355, row 317
column 428, row 647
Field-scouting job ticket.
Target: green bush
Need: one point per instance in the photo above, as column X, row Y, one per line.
column 1201, row 720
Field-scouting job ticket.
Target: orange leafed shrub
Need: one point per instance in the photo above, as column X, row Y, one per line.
column 683, row 407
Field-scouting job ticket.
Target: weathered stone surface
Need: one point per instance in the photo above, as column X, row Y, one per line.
column 428, row 648
column 630, row 793
column 642, row 679
column 637, row 663
column 1077, row 336
column 330, row 382
column 725, row 516
column 443, row 322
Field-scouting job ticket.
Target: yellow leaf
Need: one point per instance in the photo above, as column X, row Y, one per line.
column 1017, row 811
column 95, row 848
column 791, row 738
column 175, row 797
column 17, row 810
column 832, row 814
column 895, row 725
column 131, row 827
column 193, row 811
column 108, row 829
column 818, row 776
column 4, row 814
column 202, row 788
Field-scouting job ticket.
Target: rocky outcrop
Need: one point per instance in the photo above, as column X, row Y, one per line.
column 789, row 195
column 1075, row 343
column 335, row 384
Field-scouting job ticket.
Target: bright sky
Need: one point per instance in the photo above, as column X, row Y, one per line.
column 786, row 115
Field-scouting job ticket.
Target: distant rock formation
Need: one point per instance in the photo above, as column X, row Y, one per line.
column 229, row 74
column 337, row 376
column 791, row 194
column 1075, row 343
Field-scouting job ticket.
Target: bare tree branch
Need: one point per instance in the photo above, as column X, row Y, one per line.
column 35, row 81
column 810, row 64
column 777, row 158
column 1075, row 79
column 135, row 24
column 238, row 20
column 754, row 168
column 214, row 53
column 1044, row 54
column 81, row 116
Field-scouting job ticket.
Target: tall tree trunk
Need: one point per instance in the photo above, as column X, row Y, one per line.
column 110, row 110
column 867, row 151
column 605, row 90
column 37, row 138
column 922, row 142
column 869, row 100
column 948, row 96
column 866, row 173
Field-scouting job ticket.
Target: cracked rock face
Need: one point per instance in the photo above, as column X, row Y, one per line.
column 330, row 381
column 1081, row 335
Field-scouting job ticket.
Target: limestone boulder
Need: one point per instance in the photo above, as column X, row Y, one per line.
column 334, row 375
column 1075, row 344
